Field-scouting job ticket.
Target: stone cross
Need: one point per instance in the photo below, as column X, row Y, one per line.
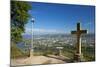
column 78, row 45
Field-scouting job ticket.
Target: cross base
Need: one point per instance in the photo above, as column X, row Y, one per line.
column 78, row 57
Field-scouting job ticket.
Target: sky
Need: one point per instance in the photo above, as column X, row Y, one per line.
column 60, row 18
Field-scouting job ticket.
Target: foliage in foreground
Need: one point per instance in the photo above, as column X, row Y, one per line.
column 19, row 17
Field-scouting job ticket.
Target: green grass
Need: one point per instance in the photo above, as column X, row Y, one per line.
column 16, row 52
column 89, row 53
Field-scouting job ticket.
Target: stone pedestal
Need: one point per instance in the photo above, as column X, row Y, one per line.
column 59, row 49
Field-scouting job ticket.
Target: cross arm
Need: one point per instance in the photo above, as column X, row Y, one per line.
column 73, row 32
column 83, row 31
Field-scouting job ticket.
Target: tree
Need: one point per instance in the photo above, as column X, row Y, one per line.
column 19, row 17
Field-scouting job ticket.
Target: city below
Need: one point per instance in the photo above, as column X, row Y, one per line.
column 56, row 40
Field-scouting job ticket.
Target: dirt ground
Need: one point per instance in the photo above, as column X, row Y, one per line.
column 35, row 60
